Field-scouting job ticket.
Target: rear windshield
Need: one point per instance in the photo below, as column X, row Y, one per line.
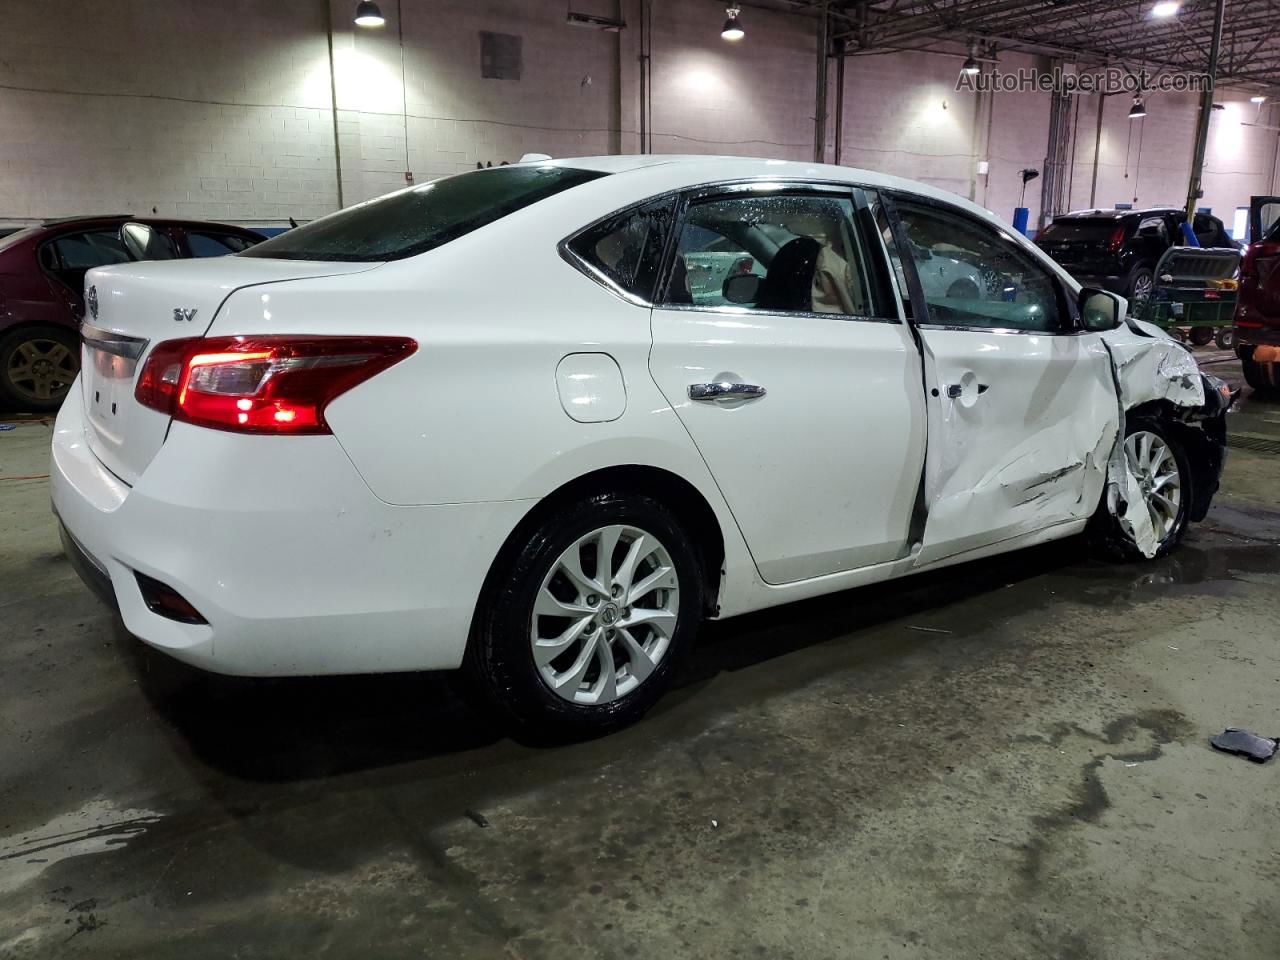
column 1091, row 230
column 417, row 219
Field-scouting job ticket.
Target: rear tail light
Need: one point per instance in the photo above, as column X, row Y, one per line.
column 268, row 384
column 1117, row 240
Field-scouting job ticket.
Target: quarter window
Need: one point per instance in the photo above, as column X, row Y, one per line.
column 974, row 277
column 773, row 254
column 627, row 248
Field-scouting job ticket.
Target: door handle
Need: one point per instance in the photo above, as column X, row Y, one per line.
column 724, row 390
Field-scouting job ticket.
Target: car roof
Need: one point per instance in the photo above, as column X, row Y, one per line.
column 1111, row 214
column 61, row 223
column 684, row 171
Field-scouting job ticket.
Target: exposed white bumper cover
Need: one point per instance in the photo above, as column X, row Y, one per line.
column 278, row 542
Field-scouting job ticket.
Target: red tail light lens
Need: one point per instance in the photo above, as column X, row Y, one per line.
column 1117, row 240
column 270, row 384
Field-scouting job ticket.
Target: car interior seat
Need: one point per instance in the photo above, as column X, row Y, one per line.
column 788, row 283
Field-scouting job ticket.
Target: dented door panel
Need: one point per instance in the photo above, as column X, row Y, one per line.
column 1021, row 429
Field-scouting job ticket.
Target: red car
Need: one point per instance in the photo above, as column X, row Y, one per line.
column 42, row 272
column 1257, row 317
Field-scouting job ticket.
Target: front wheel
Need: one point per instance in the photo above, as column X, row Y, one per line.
column 582, row 630
column 1159, row 464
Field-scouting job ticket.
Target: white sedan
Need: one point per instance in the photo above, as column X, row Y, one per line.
column 488, row 422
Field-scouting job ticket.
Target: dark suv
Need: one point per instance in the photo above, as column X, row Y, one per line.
column 1118, row 249
column 42, row 272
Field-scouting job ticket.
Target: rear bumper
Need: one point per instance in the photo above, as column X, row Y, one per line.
column 297, row 567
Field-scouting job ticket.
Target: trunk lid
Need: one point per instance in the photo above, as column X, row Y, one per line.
column 129, row 308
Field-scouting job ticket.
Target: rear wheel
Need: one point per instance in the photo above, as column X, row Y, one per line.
column 1257, row 375
column 1157, row 459
column 1141, row 282
column 1226, row 338
column 584, row 627
column 1201, row 335
column 38, row 366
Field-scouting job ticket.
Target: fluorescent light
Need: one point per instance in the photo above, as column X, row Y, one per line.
column 1258, row 99
column 1165, row 8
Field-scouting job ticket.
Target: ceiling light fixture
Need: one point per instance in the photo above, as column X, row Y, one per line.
column 1165, row 8
column 732, row 30
column 1138, row 110
column 1259, row 98
column 368, row 14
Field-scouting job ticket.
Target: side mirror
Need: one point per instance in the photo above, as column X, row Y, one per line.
column 741, row 288
column 1100, row 309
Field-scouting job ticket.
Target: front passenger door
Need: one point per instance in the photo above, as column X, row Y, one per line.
column 778, row 346
column 1022, row 405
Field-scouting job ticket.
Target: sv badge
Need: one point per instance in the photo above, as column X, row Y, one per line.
column 180, row 314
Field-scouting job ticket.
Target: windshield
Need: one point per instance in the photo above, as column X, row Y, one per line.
column 417, row 219
column 1089, row 230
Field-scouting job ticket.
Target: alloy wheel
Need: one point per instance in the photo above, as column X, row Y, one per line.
column 1142, row 288
column 605, row 614
column 41, row 369
column 1153, row 463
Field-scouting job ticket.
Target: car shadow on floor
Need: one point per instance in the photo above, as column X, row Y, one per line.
column 301, row 728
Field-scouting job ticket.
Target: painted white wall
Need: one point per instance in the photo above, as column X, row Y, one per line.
column 224, row 110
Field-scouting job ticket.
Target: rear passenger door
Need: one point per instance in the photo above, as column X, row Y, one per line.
column 66, row 259
column 1022, row 406
column 777, row 343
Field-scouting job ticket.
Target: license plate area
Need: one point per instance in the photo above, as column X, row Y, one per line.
column 109, row 363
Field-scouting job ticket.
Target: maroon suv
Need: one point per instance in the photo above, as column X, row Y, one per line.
column 42, row 272
column 1257, row 319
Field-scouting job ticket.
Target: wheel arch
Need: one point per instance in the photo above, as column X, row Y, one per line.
column 673, row 491
column 1202, row 450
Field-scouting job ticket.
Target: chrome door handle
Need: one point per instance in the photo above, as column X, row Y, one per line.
column 725, row 391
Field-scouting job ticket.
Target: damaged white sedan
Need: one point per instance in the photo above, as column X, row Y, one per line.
column 539, row 421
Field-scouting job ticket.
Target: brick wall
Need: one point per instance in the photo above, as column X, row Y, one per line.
column 224, row 110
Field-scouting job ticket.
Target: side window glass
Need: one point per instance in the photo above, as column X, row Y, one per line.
column 95, row 248
column 974, row 277
column 215, row 244
column 145, row 242
column 627, row 248
column 774, row 254
column 1154, row 227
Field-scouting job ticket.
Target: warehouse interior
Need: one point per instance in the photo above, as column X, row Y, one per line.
column 1008, row 757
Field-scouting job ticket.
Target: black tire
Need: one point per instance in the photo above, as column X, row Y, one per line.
column 20, row 385
column 1225, row 338
column 1257, row 375
column 1201, row 336
column 1106, row 535
column 500, row 662
column 1138, row 289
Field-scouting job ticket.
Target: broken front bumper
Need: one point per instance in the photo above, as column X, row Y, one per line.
column 1204, row 433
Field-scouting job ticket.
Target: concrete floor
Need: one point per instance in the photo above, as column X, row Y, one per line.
column 1027, row 777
